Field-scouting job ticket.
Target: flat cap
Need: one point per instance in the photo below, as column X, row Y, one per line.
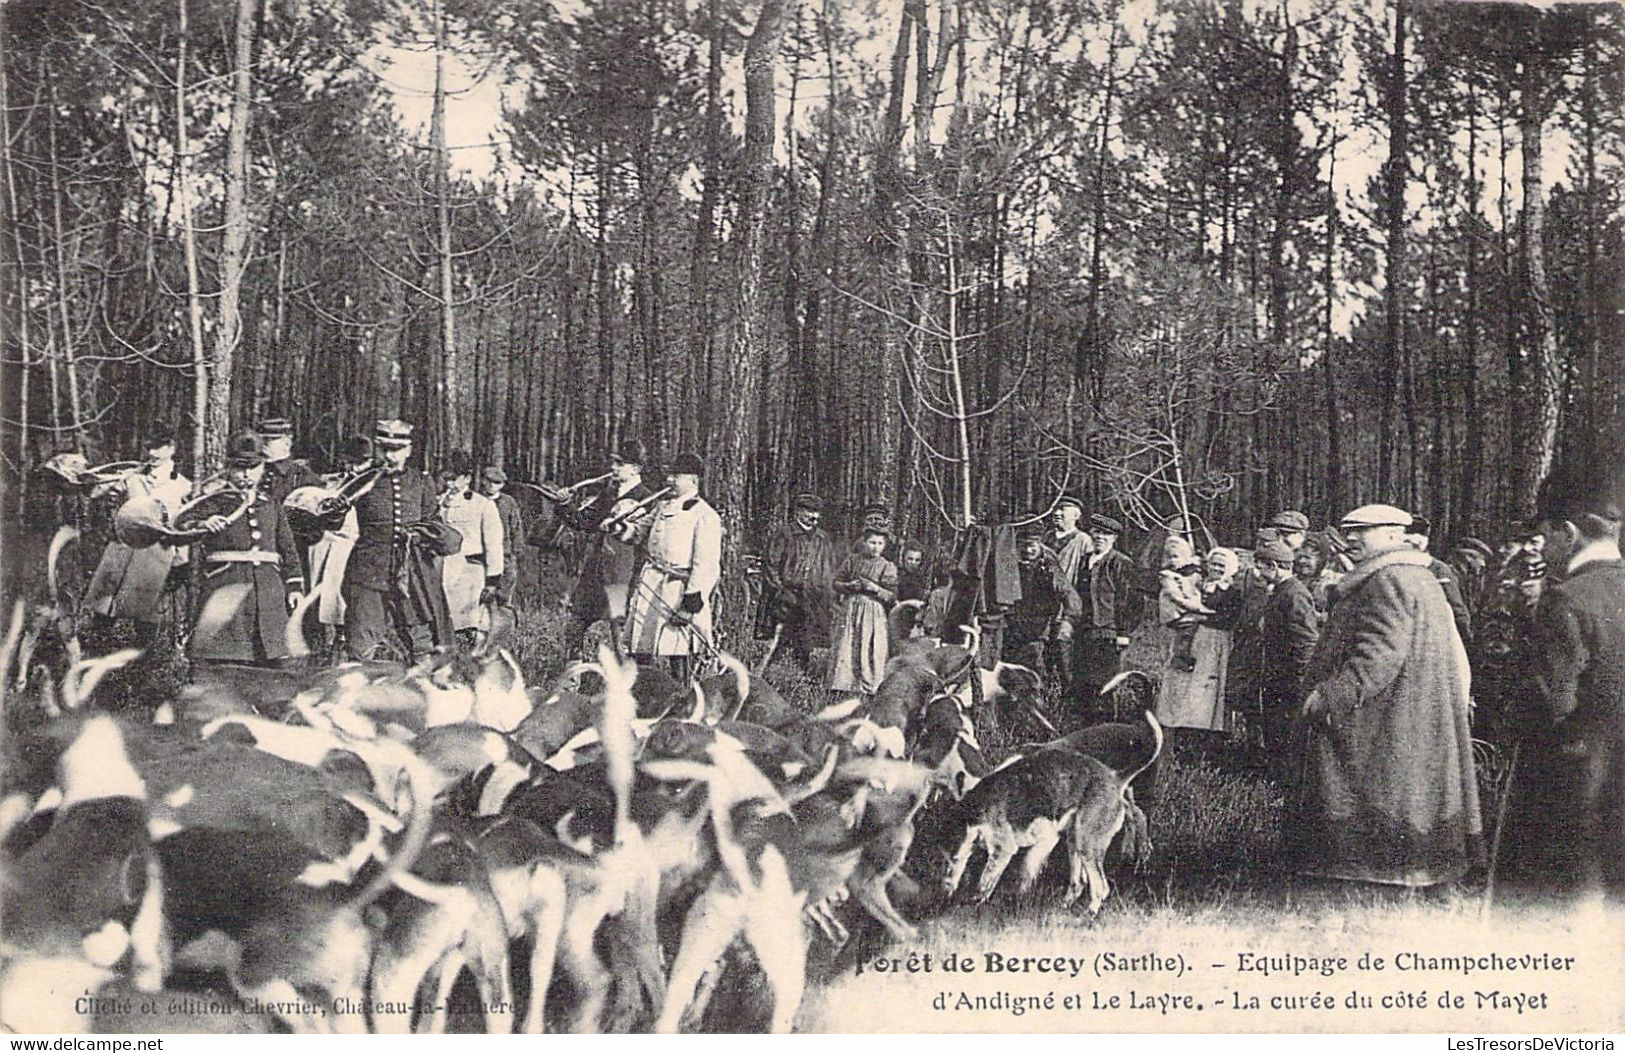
column 1289, row 520
column 1375, row 516
column 273, row 427
column 493, row 473
column 392, row 432
column 1069, row 499
column 1272, row 548
column 809, row 503
column 1105, row 524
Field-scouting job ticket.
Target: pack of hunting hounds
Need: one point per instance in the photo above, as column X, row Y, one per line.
column 355, row 849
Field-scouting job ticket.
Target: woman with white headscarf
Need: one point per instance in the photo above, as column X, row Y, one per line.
column 1192, row 694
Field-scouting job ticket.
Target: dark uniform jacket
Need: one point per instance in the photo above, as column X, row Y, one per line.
column 1288, row 628
column 610, row 561
column 387, row 557
column 255, row 553
column 285, row 476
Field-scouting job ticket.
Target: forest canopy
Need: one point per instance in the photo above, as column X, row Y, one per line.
column 1206, row 259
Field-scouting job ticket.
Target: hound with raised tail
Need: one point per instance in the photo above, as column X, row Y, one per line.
column 1032, row 804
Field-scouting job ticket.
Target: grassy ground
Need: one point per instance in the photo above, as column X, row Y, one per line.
column 1214, row 889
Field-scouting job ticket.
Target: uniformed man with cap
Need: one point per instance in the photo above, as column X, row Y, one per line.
column 1388, row 792
column 669, row 613
column 392, row 582
column 602, row 583
column 283, row 474
column 1106, row 586
column 492, row 481
column 798, row 572
column 251, row 572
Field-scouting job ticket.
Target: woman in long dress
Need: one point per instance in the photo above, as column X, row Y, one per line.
column 868, row 582
column 1192, row 694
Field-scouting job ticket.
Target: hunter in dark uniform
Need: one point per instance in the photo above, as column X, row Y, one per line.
column 602, row 586
column 392, row 583
column 798, row 572
column 284, row 475
column 1106, row 585
column 251, row 573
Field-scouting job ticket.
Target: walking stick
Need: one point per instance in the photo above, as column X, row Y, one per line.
column 1500, row 828
column 772, row 648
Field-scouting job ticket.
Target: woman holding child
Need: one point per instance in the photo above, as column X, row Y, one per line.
column 1199, row 607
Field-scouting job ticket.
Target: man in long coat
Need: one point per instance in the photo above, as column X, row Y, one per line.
column 1388, row 793
column 669, row 614
column 601, row 586
column 1566, row 825
column 392, row 582
column 251, row 573
column 798, row 572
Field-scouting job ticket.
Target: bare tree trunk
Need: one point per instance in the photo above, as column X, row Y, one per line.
column 75, row 409
column 234, row 239
column 201, row 445
column 1539, row 446
column 1393, row 223
column 734, row 442
column 450, row 397
column 1468, row 504
column 1334, row 444
column 21, row 293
